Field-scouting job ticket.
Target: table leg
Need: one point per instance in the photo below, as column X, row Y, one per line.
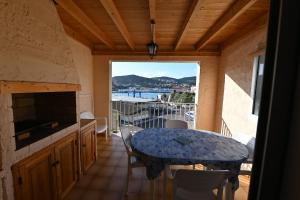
column 152, row 189
column 165, row 184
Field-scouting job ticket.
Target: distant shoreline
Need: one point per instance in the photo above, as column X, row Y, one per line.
column 146, row 91
column 143, row 95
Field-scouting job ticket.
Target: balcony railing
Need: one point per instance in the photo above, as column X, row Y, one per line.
column 225, row 130
column 150, row 114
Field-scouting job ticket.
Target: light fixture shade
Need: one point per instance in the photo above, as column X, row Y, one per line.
column 152, row 49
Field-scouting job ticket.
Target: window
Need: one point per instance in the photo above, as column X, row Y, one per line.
column 258, row 72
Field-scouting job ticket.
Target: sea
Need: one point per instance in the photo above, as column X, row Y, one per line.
column 144, row 95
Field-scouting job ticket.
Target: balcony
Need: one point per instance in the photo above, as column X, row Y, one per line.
column 140, row 114
column 75, row 41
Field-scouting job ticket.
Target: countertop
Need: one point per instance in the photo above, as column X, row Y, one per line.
column 86, row 122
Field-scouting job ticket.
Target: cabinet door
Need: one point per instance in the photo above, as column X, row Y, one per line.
column 87, row 148
column 66, row 165
column 36, row 179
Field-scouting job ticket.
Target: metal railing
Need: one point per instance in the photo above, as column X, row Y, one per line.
column 225, row 130
column 150, row 114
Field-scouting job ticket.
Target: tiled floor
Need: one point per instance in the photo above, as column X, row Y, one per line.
column 106, row 179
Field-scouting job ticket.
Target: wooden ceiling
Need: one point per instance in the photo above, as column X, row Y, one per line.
column 182, row 27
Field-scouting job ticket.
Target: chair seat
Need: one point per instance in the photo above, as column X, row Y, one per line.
column 182, row 194
column 101, row 128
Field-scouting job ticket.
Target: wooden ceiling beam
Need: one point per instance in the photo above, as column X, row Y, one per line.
column 259, row 23
column 161, row 53
column 232, row 13
column 114, row 14
column 77, row 36
column 196, row 5
column 72, row 9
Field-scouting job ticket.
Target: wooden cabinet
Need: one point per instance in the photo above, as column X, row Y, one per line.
column 66, row 154
column 48, row 174
column 88, row 145
column 34, row 178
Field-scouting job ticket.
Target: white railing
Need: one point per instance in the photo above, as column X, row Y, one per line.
column 225, row 130
column 149, row 114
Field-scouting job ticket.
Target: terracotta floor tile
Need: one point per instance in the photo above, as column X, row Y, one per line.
column 99, row 183
column 112, row 196
column 75, row 194
column 92, row 195
column 120, row 172
column 116, row 184
column 104, row 154
column 94, row 170
column 112, row 162
column 106, row 171
column 123, row 162
column 134, row 186
column 84, row 181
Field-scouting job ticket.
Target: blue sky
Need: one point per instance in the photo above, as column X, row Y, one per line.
column 154, row 69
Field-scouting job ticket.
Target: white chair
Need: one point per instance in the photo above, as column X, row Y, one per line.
column 194, row 184
column 133, row 158
column 176, row 124
column 249, row 141
column 101, row 122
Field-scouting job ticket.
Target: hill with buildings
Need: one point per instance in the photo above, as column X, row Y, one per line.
column 124, row 82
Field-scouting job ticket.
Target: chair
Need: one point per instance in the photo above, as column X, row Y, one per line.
column 101, row 122
column 249, row 141
column 133, row 158
column 176, row 124
column 194, row 184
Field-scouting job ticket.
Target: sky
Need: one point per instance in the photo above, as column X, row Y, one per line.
column 154, row 69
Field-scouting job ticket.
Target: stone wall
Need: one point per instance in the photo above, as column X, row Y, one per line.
column 33, row 45
column 83, row 61
column 35, row 48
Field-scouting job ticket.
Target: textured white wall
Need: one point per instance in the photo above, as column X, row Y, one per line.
column 234, row 104
column 33, row 45
column 83, row 60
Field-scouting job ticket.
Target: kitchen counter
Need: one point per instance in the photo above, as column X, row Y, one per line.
column 86, row 123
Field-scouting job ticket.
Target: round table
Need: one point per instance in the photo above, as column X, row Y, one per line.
column 167, row 146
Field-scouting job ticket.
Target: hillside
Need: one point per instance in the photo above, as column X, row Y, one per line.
column 121, row 82
column 166, row 79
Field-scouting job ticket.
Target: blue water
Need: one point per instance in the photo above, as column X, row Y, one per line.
column 144, row 95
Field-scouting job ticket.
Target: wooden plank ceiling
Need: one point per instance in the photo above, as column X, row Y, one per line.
column 182, row 27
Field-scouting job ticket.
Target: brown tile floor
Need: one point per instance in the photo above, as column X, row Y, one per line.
column 106, row 178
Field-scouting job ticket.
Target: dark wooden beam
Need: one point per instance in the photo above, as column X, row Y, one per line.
column 160, row 53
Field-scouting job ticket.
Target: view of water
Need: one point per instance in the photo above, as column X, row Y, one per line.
column 144, row 95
